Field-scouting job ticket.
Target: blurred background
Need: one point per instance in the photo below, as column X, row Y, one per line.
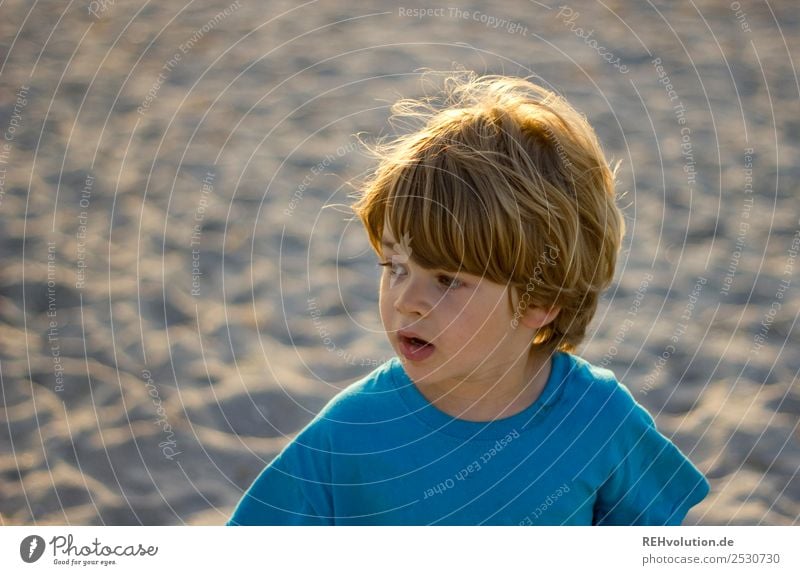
column 181, row 290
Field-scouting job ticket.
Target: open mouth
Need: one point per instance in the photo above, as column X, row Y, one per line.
column 415, row 341
column 415, row 348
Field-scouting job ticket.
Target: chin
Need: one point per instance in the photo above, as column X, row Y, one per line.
column 423, row 373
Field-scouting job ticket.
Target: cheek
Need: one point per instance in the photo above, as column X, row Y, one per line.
column 463, row 324
column 384, row 305
column 481, row 320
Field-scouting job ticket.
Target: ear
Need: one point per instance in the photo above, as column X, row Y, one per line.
column 538, row 317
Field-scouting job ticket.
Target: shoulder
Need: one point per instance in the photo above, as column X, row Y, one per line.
column 594, row 383
column 597, row 390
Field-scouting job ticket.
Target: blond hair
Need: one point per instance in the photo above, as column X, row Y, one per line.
column 506, row 181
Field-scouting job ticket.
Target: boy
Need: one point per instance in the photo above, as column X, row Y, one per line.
column 497, row 230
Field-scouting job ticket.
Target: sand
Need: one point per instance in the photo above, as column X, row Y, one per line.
column 178, row 296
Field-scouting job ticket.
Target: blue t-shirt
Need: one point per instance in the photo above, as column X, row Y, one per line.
column 379, row 453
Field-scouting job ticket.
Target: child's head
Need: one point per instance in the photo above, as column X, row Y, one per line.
column 506, row 183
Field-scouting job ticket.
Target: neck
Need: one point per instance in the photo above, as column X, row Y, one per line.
column 496, row 395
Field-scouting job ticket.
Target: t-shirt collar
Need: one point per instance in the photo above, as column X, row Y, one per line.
column 442, row 422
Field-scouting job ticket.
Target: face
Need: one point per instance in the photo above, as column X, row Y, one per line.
column 466, row 319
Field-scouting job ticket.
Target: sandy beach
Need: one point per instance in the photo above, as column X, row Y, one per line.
column 182, row 288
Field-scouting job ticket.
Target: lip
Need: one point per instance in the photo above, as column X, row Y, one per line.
column 411, row 351
column 410, row 334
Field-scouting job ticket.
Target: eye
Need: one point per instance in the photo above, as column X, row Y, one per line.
column 450, row 283
column 445, row 281
column 392, row 267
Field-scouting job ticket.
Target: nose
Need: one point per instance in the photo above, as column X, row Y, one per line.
column 414, row 296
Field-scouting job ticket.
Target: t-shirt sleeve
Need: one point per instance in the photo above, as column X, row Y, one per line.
column 651, row 481
column 294, row 489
